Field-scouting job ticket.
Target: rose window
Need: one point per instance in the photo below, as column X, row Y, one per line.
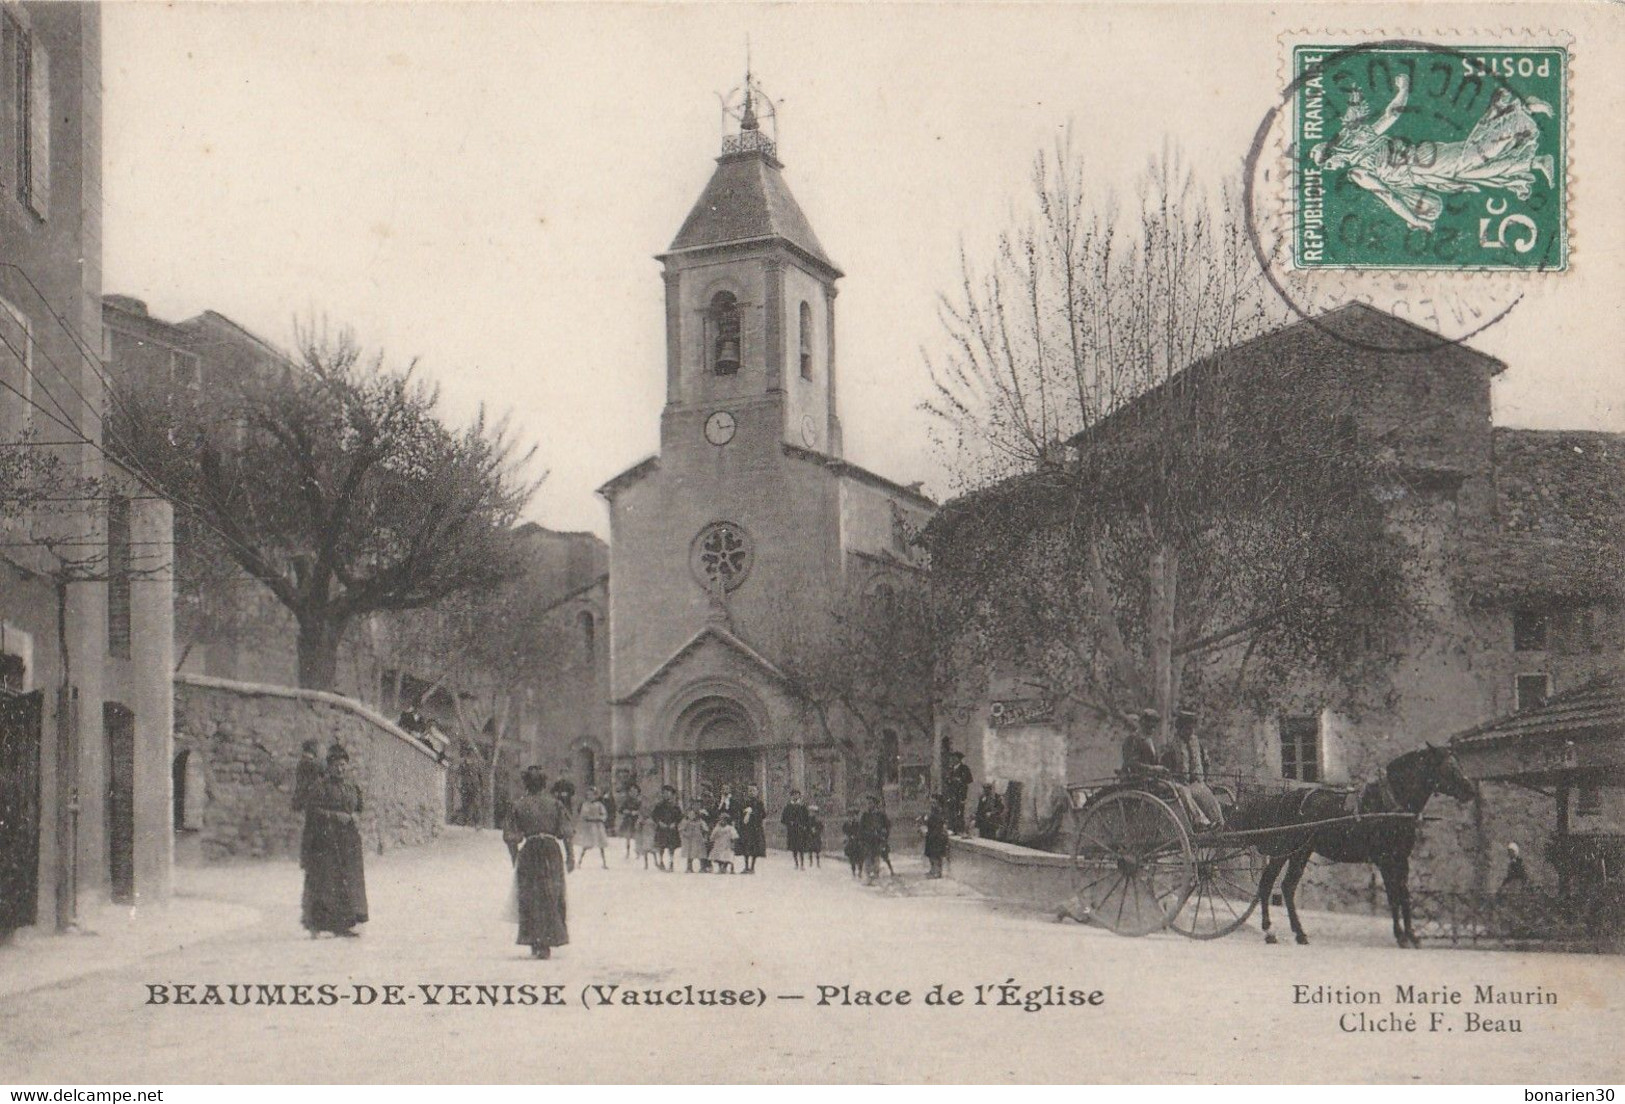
column 721, row 556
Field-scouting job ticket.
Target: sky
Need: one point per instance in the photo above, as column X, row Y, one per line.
column 484, row 186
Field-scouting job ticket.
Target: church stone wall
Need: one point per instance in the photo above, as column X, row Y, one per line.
column 807, row 406
column 785, row 509
column 248, row 738
column 880, row 522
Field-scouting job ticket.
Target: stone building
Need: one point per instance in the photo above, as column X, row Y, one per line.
column 1520, row 536
column 85, row 714
column 731, row 549
column 567, row 728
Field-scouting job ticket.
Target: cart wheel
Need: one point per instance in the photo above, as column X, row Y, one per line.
column 1226, row 890
column 1133, row 864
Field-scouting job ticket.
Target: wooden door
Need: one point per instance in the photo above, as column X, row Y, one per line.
column 20, row 726
column 119, row 724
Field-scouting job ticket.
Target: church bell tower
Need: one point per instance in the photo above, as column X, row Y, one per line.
column 750, row 305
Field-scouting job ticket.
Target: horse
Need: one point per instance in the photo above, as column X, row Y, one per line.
column 1403, row 786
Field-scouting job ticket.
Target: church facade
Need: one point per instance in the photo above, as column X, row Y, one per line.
column 733, row 547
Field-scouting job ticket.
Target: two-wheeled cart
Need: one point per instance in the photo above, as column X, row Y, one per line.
column 1145, row 859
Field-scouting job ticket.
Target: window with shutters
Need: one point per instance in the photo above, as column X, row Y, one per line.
column 16, row 372
column 30, row 88
column 118, row 577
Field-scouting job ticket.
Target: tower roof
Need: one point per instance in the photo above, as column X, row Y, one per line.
column 747, row 200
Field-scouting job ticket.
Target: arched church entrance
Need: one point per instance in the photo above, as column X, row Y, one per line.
column 725, row 744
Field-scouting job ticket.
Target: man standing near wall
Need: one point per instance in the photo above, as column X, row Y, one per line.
column 957, row 788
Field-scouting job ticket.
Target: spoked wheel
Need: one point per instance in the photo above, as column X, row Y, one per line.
column 1226, row 890
column 1133, row 863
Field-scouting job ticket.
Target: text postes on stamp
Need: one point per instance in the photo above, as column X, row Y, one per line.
column 1416, row 156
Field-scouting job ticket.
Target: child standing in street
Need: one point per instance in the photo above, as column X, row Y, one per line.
column 645, row 837
column 853, row 842
column 815, row 837
column 696, row 837
column 722, row 844
column 592, row 833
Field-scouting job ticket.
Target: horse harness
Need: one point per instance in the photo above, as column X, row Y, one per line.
column 1358, row 810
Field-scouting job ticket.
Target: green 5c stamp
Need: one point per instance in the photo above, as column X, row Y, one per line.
column 1410, row 155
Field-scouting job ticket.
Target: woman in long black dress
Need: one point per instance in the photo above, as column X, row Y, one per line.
column 935, row 824
column 797, row 828
column 667, row 815
column 752, row 843
column 335, row 898
column 537, row 831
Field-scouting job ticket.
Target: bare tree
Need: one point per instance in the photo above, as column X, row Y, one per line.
column 335, row 483
column 871, row 662
column 1145, row 493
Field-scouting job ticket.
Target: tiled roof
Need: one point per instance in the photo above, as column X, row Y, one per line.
column 862, row 475
column 1375, row 331
column 747, row 200
column 1598, row 707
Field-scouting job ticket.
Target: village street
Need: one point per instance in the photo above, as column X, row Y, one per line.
column 1171, row 1009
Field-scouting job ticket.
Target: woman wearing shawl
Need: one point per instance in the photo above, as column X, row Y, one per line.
column 335, row 898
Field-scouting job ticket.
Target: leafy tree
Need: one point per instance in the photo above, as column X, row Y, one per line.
column 335, row 483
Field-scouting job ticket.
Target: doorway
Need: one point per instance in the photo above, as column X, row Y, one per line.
column 20, row 717
column 724, row 740
column 586, row 768
column 736, row 767
column 119, row 725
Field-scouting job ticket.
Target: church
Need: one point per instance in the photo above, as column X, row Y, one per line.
column 732, row 548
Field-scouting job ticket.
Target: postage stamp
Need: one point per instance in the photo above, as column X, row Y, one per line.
column 1421, row 156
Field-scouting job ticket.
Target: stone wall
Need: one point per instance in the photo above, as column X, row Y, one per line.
column 248, row 738
column 1010, row 873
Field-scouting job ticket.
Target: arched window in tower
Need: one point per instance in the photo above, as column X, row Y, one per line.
column 589, row 632
column 806, row 341
column 724, row 327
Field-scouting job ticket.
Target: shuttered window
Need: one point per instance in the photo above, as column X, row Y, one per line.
column 28, row 88
column 11, row 36
column 39, row 130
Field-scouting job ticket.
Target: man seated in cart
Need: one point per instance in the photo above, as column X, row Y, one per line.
column 1140, row 748
column 1200, row 800
column 1142, row 762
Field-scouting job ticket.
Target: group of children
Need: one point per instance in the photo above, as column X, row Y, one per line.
column 712, row 837
column 710, row 840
